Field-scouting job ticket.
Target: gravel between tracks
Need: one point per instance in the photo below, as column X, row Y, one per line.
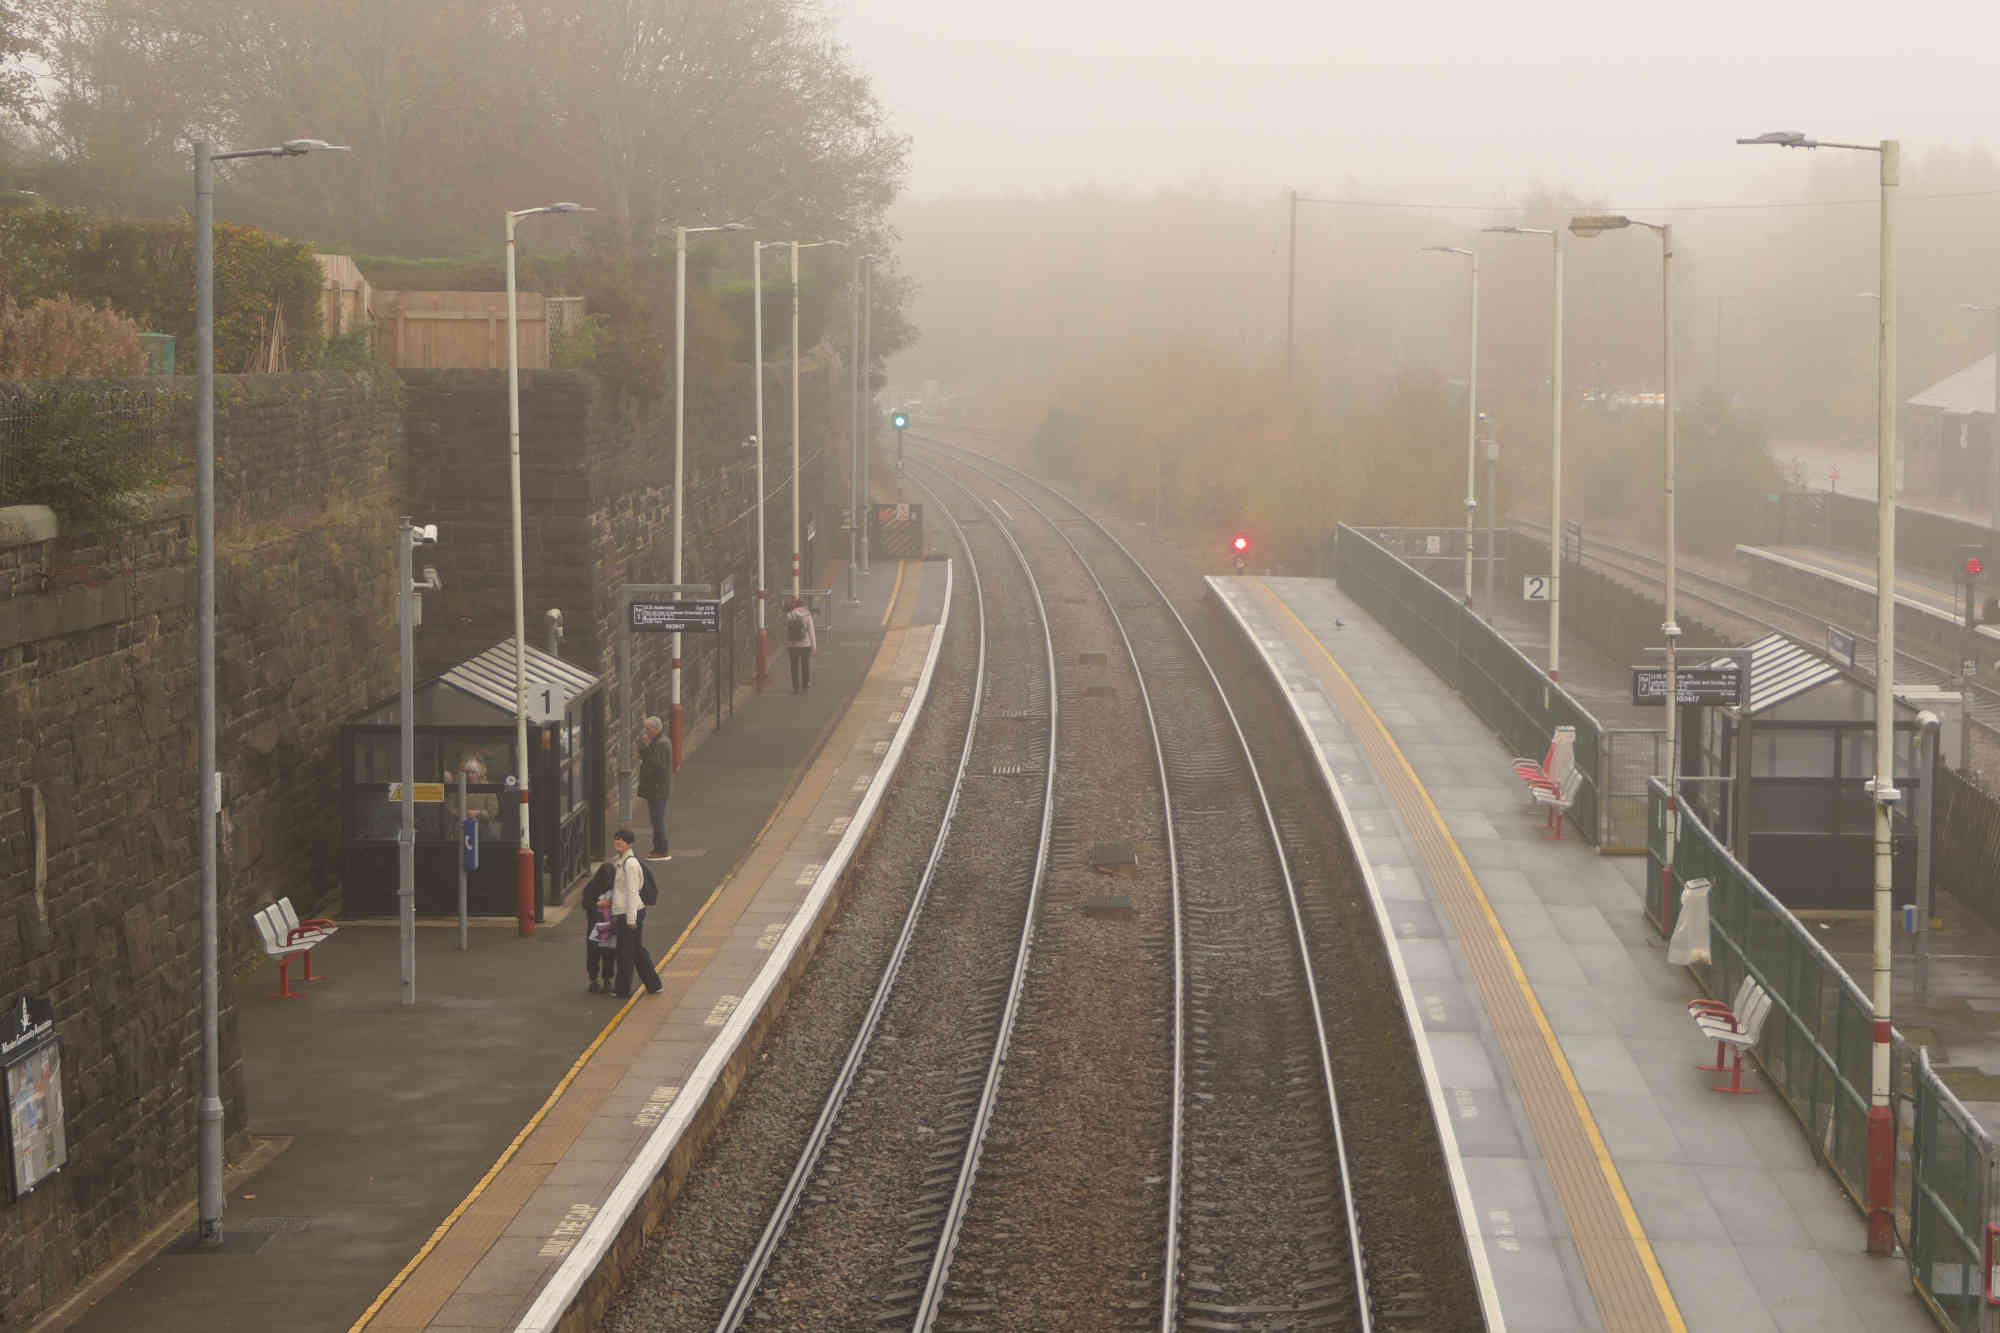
column 1066, row 1226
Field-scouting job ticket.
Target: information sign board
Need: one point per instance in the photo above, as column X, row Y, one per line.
column 1840, row 646
column 700, row 615
column 1699, row 685
column 37, row 1142
column 425, row 793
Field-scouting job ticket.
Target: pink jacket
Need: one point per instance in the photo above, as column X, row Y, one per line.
column 797, row 614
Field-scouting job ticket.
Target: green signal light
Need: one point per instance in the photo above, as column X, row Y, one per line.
column 900, row 420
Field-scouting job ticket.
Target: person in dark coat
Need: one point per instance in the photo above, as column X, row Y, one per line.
column 600, row 931
column 656, row 783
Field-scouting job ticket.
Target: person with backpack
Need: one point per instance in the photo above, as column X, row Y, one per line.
column 800, row 641
column 633, row 893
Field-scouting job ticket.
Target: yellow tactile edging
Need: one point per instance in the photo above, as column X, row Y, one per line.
column 1618, row 1260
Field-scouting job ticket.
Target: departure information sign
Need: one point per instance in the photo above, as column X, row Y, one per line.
column 1702, row 686
column 699, row 615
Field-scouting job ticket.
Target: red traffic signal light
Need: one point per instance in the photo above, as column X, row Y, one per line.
column 1241, row 544
column 1974, row 567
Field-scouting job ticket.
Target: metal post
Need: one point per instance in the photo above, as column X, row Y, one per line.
column 406, row 832
column 797, row 545
column 464, row 813
column 524, row 861
column 1492, row 517
column 1471, row 426
column 627, row 746
column 209, row 1114
column 867, row 393
column 680, row 419
column 1670, row 627
column 1927, row 767
column 1291, row 278
column 1555, row 469
column 757, row 338
column 854, row 430
column 1881, row 1122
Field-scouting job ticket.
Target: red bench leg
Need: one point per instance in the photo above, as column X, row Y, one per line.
column 1736, row 1079
column 309, row 968
column 285, row 991
column 1721, row 1065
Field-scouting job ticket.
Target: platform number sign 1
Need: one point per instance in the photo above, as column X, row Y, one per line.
column 1535, row 588
column 546, row 701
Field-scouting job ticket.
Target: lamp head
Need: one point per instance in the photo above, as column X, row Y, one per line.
column 567, row 207
column 1782, row 139
column 1590, row 224
column 734, row 226
column 300, row 147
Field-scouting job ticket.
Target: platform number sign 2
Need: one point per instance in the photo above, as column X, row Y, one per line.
column 1535, row 588
column 546, row 701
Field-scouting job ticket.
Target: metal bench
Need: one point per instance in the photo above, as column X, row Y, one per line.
column 284, row 942
column 1734, row 1029
column 1556, row 801
column 1554, row 767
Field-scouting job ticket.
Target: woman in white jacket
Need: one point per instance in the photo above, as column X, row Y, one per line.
column 628, row 915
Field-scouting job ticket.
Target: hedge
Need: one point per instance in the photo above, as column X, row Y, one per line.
column 144, row 269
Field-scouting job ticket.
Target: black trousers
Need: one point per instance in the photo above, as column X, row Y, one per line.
column 632, row 953
column 802, row 667
column 599, row 962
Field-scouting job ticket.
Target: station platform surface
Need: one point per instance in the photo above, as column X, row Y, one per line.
column 1604, row 1184
column 425, row 1175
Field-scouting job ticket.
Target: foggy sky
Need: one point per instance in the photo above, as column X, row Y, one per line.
column 1633, row 103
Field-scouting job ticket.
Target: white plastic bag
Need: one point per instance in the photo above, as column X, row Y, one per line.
column 1690, row 939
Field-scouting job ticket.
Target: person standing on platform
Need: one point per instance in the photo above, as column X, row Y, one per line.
column 628, row 911
column 800, row 641
column 656, row 783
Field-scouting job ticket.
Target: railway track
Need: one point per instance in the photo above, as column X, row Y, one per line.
column 863, row 1231
column 1267, row 1230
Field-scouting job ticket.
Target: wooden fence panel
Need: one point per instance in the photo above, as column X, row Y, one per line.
column 460, row 330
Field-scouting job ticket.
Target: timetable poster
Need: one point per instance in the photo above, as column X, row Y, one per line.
column 37, row 1147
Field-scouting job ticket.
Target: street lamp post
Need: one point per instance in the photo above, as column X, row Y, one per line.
column 757, row 284
column 209, row 1114
column 524, row 860
column 867, row 390
column 681, row 235
column 859, row 380
column 1471, row 412
column 1555, row 443
column 1881, row 1123
column 1593, row 225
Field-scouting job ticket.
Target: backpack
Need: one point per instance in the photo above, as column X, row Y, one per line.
column 649, row 891
column 795, row 628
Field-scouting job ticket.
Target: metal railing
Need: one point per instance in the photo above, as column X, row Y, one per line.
column 1512, row 695
column 1815, row 1052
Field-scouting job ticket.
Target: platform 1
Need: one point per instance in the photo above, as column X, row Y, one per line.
column 440, row 1163
column 1601, row 1183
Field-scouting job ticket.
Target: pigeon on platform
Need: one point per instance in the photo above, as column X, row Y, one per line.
column 1338, row 623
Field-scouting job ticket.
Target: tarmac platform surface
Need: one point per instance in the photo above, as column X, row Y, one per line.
column 405, row 1124
column 1602, row 1182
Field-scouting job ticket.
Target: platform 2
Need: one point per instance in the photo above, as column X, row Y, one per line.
column 1601, row 1183
column 432, row 1177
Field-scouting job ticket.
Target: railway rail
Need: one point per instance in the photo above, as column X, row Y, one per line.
column 1266, row 1215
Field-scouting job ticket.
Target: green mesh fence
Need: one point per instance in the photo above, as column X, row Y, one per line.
column 1816, row 1051
column 1511, row 694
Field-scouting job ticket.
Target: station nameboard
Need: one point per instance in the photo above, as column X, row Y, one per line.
column 1703, row 686
column 701, row 615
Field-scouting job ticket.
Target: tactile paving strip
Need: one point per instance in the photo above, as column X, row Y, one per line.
column 1618, row 1262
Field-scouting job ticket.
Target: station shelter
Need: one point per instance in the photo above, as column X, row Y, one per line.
column 465, row 722
column 1804, row 823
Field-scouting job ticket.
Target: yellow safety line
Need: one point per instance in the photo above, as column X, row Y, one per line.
column 894, row 592
column 1633, row 1228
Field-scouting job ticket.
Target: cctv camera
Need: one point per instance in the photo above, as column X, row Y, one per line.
column 431, row 579
column 424, row 534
